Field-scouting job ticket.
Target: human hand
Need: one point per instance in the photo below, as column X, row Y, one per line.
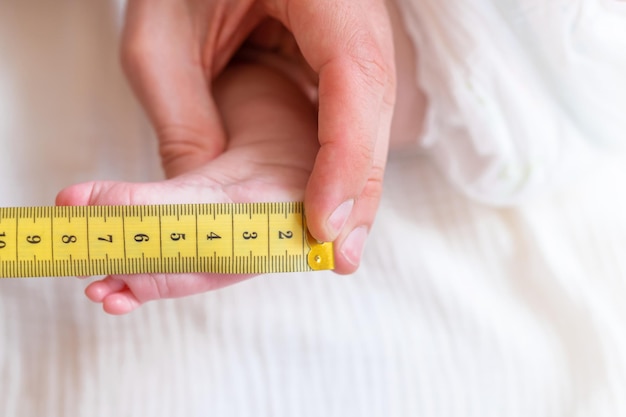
column 173, row 49
column 271, row 149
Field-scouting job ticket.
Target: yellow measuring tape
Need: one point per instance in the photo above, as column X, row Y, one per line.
column 243, row 238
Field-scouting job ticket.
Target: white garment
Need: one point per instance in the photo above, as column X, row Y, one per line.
column 459, row 309
column 520, row 91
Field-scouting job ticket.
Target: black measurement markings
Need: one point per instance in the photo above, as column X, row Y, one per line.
column 161, row 235
column 250, row 263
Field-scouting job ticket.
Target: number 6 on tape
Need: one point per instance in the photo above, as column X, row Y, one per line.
column 245, row 238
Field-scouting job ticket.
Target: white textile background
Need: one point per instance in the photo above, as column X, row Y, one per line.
column 459, row 309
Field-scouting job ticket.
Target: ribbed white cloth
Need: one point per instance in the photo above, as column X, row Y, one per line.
column 459, row 309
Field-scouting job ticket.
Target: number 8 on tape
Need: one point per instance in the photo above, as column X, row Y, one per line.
column 246, row 238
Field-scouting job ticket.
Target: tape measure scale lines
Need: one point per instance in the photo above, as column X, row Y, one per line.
column 246, row 238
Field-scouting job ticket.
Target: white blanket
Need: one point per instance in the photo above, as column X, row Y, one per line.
column 460, row 309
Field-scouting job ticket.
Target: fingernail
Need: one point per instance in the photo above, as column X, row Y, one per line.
column 352, row 247
column 338, row 219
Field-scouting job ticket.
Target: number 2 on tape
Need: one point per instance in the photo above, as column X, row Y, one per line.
column 225, row 238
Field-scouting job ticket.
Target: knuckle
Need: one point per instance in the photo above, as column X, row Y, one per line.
column 374, row 186
column 364, row 153
column 162, row 288
column 134, row 51
column 177, row 142
column 370, row 60
column 138, row 49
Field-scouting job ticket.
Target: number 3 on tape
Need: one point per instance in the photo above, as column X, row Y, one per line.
column 245, row 238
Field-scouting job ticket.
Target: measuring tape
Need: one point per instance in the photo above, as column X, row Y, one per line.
column 246, row 238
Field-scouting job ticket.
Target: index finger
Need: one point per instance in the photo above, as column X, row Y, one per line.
column 161, row 56
column 350, row 46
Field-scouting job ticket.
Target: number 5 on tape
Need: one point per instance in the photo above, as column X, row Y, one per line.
column 243, row 238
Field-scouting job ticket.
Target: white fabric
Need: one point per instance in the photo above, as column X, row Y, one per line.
column 519, row 91
column 460, row 309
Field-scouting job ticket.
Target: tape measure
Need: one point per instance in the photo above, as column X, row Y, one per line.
column 245, row 238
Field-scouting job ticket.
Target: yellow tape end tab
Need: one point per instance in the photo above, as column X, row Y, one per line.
column 321, row 255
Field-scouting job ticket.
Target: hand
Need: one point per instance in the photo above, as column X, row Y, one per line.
column 173, row 49
column 269, row 156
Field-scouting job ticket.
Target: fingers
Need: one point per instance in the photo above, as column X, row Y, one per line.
column 350, row 46
column 114, row 296
column 161, row 57
column 124, row 293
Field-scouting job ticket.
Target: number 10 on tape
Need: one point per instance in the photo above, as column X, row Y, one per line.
column 245, row 238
